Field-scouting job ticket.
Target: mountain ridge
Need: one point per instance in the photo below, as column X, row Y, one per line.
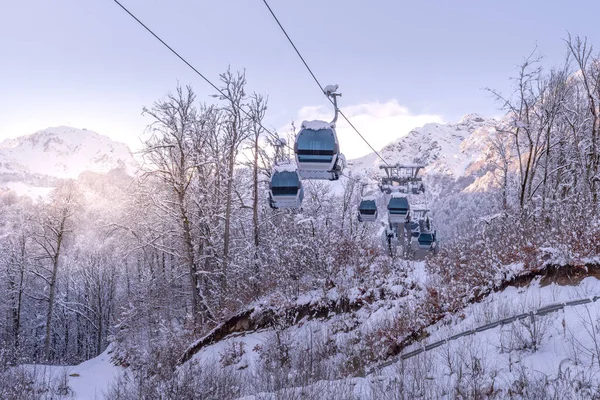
column 31, row 164
column 39, row 159
column 457, row 145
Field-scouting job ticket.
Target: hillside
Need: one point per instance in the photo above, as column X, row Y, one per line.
column 335, row 356
column 534, row 336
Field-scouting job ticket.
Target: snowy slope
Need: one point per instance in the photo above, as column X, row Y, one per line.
column 550, row 356
column 553, row 356
column 89, row 380
column 31, row 164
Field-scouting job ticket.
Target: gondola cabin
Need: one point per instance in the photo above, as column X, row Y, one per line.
column 367, row 210
column 414, row 229
column 318, row 151
column 398, row 208
column 285, row 189
column 426, row 240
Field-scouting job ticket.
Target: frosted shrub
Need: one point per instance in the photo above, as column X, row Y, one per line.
column 354, row 355
column 590, row 348
column 475, row 376
column 275, row 362
column 529, row 333
column 17, row 383
column 232, row 354
column 189, row 382
column 35, row 383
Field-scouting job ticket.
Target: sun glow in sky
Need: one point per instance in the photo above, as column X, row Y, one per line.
column 399, row 64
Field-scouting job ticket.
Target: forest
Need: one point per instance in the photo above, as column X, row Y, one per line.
column 154, row 262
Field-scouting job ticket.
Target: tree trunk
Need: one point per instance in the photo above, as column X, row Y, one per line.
column 255, row 216
column 505, row 191
column 228, row 200
column 16, row 289
column 52, row 289
column 66, row 342
column 99, row 311
column 189, row 260
column 546, row 164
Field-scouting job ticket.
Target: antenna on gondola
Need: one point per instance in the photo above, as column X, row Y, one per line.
column 331, row 92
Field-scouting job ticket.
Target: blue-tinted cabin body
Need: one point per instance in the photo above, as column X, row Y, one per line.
column 286, row 189
column 426, row 240
column 398, row 209
column 318, row 152
column 367, row 211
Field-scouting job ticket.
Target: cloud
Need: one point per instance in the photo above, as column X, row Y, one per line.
column 379, row 123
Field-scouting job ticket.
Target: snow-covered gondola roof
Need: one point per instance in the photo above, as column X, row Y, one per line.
column 287, row 167
column 317, row 125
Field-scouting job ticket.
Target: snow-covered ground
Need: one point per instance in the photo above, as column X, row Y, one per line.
column 89, row 380
column 560, row 348
column 555, row 331
column 552, row 354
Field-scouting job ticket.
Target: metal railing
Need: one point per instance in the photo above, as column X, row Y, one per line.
column 550, row 308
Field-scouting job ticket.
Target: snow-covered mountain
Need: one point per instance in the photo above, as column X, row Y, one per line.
column 64, row 152
column 31, row 164
column 457, row 176
column 453, row 150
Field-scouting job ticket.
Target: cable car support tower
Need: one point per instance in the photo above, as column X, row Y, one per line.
column 404, row 186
